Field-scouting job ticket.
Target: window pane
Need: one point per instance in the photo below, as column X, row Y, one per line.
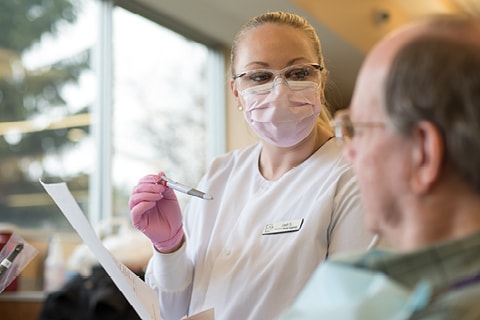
column 159, row 105
column 48, row 89
column 45, row 94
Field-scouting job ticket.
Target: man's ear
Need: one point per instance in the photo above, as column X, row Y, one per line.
column 427, row 156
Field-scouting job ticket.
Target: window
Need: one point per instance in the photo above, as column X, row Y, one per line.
column 98, row 96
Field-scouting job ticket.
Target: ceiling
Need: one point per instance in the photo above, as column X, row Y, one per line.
column 347, row 28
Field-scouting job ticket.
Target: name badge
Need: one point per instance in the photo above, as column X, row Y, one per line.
column 283, row 226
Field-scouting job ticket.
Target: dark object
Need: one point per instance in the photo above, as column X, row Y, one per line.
column 88, row 298
column 8, row 261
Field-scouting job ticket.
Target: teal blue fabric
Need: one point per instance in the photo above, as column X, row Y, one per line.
column 338, row 291
column 438, row 282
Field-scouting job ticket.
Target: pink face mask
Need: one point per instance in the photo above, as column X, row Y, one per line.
column 285, row 114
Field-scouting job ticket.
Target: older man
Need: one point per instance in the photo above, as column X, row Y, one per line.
column 412, row 135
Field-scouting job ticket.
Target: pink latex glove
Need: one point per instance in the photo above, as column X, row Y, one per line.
column 155, row 211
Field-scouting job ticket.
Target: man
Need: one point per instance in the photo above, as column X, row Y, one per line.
column 413, row 137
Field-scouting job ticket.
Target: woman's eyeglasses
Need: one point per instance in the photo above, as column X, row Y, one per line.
column 263, row 80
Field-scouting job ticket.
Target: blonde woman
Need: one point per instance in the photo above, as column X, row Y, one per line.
column 280, row 206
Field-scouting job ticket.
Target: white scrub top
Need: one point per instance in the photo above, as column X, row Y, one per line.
column 229, row 264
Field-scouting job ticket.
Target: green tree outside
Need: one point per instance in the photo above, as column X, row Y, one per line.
column 27, row 95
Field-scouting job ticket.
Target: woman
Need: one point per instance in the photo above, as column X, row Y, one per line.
column 280, row 206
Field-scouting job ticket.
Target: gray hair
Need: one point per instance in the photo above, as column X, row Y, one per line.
column 436, row 78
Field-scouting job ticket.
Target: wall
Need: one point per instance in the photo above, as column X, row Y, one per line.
column 239, row 133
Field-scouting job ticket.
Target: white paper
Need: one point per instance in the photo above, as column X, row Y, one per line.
column 143, row 298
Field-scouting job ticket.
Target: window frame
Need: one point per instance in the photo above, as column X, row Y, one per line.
column 101, row 187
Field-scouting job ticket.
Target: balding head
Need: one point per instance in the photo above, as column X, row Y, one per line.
column 435, row 77
column 376, row 66
column 429, row 71
column 415, row 114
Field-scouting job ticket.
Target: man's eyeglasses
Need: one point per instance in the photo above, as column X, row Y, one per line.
column 263, row 80
column 345, row 129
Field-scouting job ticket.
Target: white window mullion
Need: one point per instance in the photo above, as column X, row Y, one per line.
column 101, row 182
column 216, row 99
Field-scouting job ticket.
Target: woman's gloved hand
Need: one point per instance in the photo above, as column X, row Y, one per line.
column 155, row 211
